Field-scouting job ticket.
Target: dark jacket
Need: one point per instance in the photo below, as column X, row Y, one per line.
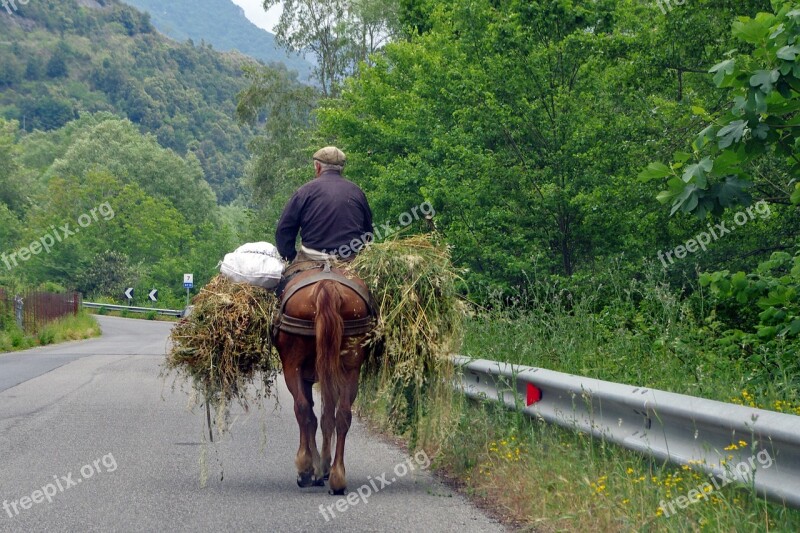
column 330, row 212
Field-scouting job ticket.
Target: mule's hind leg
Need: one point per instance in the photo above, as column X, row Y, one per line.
column 344, row 417
column 328, row 426
column 304, row 413
column 318, row 480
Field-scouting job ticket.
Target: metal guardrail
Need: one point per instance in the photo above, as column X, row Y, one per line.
column 111, row 307
column 668, row 426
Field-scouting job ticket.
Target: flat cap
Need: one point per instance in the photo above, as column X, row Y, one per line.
column 330, row 155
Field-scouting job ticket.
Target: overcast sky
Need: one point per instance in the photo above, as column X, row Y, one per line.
column 254, row 9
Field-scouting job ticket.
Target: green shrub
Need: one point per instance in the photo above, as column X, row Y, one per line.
column 46, row 336
column 17, row 338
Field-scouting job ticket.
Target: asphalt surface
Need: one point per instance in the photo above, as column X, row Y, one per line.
column 92, row 439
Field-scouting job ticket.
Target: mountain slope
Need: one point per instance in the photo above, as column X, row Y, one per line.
column 222, row 24
column 68, row 59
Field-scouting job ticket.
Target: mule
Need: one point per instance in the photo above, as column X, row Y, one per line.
column 325, row 317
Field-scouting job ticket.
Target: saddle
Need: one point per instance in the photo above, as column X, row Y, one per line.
column 299, row 326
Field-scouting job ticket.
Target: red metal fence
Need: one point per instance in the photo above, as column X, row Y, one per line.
column 33, row 309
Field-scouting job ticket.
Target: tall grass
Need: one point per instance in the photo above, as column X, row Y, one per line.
column 69, row 328
column 647, row 335
column 547, row 478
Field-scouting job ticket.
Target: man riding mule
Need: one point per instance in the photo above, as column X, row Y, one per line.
column 331, row 213
column 326, row 312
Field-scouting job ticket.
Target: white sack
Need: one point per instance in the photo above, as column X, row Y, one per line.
column 256, row 263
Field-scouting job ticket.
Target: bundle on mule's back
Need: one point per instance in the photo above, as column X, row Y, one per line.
column 413, row 281
column 226, row 341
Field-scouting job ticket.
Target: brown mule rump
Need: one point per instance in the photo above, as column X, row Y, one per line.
column 322, row 272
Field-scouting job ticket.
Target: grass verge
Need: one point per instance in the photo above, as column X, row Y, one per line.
column 539, row 477
column 69, row 328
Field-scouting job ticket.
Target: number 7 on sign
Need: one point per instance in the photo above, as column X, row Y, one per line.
column 188, row 284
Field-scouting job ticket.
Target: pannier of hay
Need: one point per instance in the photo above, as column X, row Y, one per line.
column 226, row 341
column 414, row 284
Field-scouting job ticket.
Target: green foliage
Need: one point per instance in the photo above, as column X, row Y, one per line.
column 508, row 117
column 46, row 337
column 81, row 326
column 108, row 273
column 772, row 289
column 282, row 151
column 57, row 65
column 76, row 61
column 340, row 34
column 109, row 212
column 115, row 146
column 759, row 122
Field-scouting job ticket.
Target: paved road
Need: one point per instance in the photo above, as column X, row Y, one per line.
column 92, row 425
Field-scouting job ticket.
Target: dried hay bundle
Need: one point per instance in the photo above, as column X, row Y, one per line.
column 225, row 342
column 413, row 281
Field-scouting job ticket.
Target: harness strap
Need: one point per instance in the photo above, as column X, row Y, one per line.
column 298, row 326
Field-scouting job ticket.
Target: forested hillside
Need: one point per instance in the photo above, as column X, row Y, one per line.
column 222, row 24
column 97, row 206
column 116, row 147
column 62, row 61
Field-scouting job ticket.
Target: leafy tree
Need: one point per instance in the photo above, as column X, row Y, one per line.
column 754, row 142
column 108, row 273
column 515, row 168
column 118, row 147
column 9, row 228
column 34, row 68
column 11, row 196
column 282, row 153
column 285, row 106
column 46, row 112
column 11, row 71
column 339, row 33
column 57, row 65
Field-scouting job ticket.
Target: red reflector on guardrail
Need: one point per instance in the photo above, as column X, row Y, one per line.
column 534, row 394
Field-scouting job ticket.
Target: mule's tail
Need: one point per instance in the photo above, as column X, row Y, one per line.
column 329, row 330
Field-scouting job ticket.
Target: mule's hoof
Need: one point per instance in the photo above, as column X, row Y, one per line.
column 305, row 480
column 339, row 492
column 327, row 476
column 319, row 482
